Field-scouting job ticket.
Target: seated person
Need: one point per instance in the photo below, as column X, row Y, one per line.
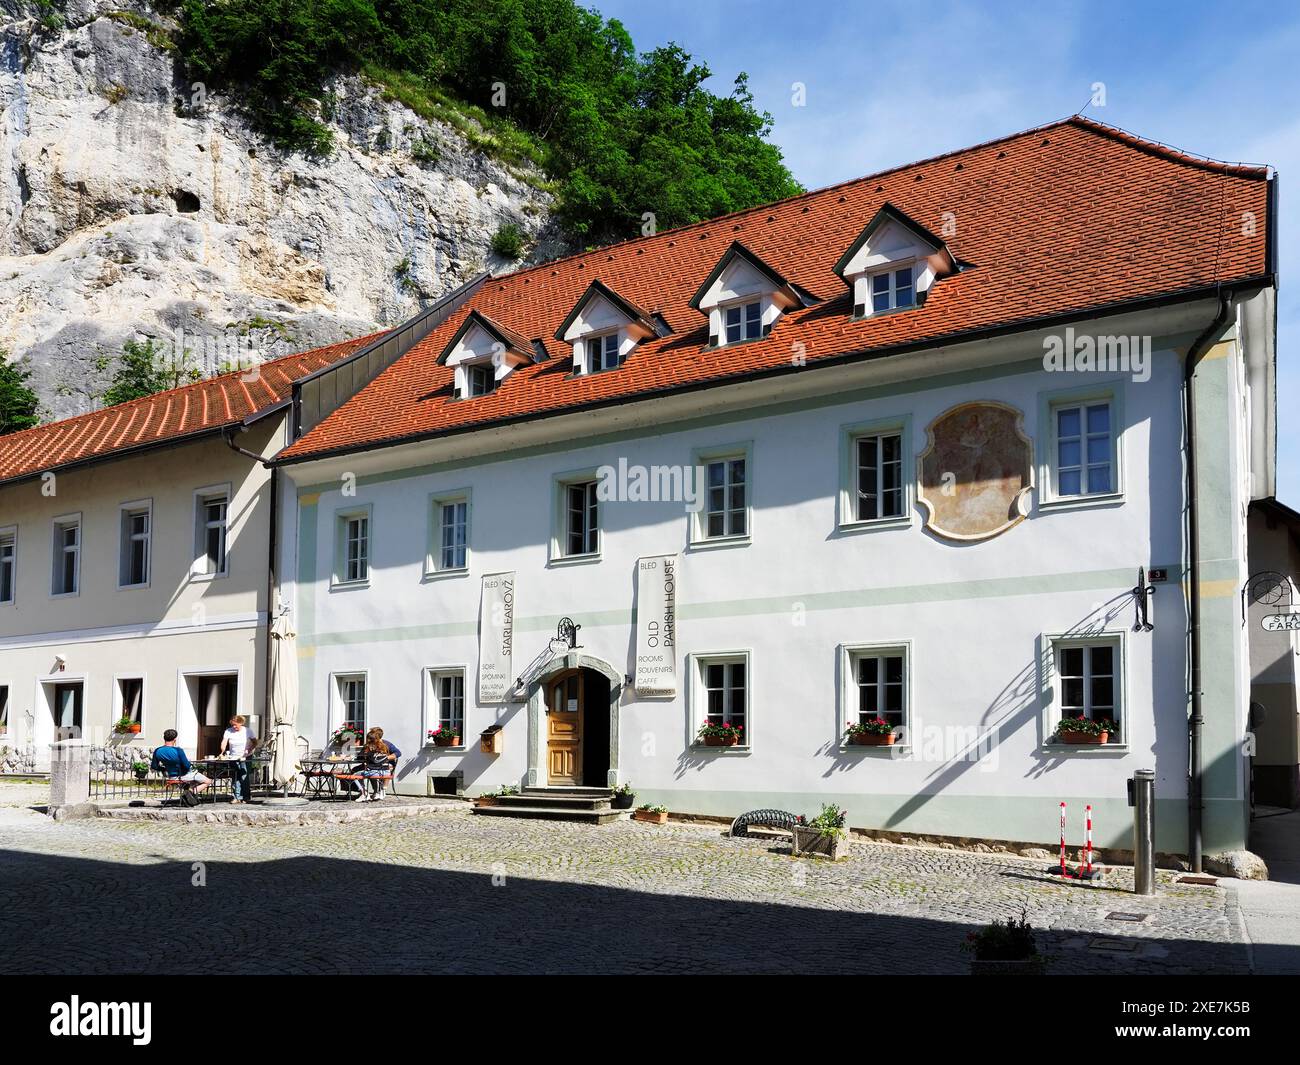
column 171, row 761
column 378, row 760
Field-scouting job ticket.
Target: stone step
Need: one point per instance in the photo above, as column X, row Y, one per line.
column 573, row 789
column 557, row 801
column 555, row 813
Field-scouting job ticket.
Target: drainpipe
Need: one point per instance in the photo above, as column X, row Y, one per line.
column 1196, row 721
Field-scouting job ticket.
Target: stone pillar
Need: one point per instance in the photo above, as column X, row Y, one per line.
column 69, row 779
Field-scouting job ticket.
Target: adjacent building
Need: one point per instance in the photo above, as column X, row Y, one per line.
column 911, row 449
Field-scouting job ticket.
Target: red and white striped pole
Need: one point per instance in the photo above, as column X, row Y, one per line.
column 1087, row 852
column 1063, row 873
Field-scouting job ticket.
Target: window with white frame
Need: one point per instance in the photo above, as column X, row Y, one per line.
column 603, row 353
column 1088, row 678
column 130, row 694
column 878, row 686
column 480, row 379
column 1083, row 449
column 722, row 691
column 4, row 709
column 725, row 512
column 210, row 531
column 350, row 694
column 448, row 701
column 581, row 519
column 353, row 548
column 8, row 565
column 892, row 290
column 878, row 476
column 135, row 540
column 449, row 551
column 66, row 576
column 743, row 321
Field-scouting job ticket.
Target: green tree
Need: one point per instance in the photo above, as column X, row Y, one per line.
column 18, row 403
column 142, row 371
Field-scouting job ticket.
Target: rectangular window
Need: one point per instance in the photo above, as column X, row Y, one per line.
column 744, row 321
column 892, row 290
column 135, row 536
column 881, row 686
column 1084, row 451
column 724, row 686
column 210, row 534
column 726, row 503
column 480, row 379
column 879, row 459
column 1088, row 676
column 352, row 700
column 67, row 557
column 8, row 566
column 354, row 530
column 131, row 692
column 603, row 353
column 453, row 534
column 4, row 709
column 581, row 519
column 449, row 696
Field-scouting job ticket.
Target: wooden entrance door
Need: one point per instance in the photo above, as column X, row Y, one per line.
column 218, row 697
column 564, row 730
column 67, row 711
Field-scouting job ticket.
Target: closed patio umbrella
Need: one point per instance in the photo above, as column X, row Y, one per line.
column 284, row 701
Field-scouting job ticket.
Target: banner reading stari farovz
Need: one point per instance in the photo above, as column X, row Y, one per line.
column 496, row 637
column 656, row 625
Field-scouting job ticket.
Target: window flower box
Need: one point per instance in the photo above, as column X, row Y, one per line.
column 125, row 726
column 444, row 737
column 1083, row 730
column 726, row 735
column 876, row 733
column 654, row 815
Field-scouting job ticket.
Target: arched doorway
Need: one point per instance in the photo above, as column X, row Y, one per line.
column 573, row 724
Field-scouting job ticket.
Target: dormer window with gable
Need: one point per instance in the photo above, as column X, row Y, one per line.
column 743, row 297
column 893, row 264
column 603, row 328
column 483, row 353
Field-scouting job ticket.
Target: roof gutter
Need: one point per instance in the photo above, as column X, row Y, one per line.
column 1196, row 720
column 858, row 355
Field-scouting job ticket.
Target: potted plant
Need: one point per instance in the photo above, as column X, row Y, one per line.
column 444, row 737
column 624, row 796
column 1084, row 730
column 126, row 725
column 725, row 735
column 824, row 835
column 1004, row 948
column 655, row 815
column 346, row 735
column 875, row 733
column 490, row 799
column 141, row 770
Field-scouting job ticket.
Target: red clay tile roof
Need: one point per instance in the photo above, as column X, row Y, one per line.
column 203, row 406
column 1056, row 221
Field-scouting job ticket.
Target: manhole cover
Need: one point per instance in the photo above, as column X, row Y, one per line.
column 1132, row 918
column 1208, row 881
column 1114, row 946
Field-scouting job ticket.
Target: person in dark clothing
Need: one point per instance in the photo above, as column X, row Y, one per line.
column 170, row 760
column 378, row 761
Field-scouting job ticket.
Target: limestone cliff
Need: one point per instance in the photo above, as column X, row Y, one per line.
column 134, row 205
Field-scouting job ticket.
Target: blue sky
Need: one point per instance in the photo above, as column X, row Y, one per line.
column 889, row 83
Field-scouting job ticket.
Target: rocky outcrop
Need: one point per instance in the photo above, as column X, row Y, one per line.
column 133, row 205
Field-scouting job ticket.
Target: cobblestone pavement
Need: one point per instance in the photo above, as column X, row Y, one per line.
column 456, row 893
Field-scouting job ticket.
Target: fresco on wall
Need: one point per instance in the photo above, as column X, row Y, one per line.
column 976, row 471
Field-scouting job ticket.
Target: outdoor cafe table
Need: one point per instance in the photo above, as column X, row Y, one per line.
column 217, row 770
column 320, row 775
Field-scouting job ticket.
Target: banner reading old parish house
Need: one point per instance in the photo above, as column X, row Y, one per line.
column 496, row 637
column 656, row 625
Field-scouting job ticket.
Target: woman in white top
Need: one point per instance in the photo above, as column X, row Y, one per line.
column 238, row 743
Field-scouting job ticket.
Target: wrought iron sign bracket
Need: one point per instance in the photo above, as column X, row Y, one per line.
column 1142, row 592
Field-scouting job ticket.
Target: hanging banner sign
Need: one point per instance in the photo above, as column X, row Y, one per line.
column 656, row 625
column 1280, row 622
column 496, row 637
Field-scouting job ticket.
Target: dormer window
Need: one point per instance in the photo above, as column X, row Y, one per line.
column 744, row 321
column 603, row 353
column 892, row 290
column 482, row 354
column 480, row 379
column 892, row 264
column 743, row 297
column 603, row 328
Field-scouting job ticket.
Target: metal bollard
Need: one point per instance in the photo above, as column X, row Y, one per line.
column 1142, row 797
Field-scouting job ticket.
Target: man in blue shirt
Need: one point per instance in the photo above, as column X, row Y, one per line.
column 171, row 761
